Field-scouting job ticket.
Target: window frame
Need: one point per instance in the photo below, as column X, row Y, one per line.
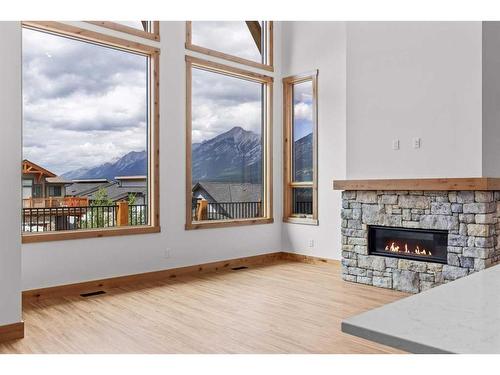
column 267, row 181
column 152, row 35
column 153, row 53
column 225, row 56
column 288, row 182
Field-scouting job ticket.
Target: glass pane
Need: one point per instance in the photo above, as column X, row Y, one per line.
column 302, row 201
column 302, row 147
column 226, row 147
column 230, row 37
column 136, row 24
column 85, row 125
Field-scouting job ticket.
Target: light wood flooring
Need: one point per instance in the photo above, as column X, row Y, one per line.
column 284, row 307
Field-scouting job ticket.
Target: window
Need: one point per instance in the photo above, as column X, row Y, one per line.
column 228, row 146
column 144, row 29
column 90, row 119
column 300, row 145
column 245, row 42
column 55, row 191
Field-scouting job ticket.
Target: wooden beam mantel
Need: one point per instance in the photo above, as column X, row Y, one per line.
column 467, row 183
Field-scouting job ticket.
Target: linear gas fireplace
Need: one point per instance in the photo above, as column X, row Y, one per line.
column 417, row 244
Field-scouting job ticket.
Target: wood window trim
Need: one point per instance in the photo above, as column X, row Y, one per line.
column 152, row 35
column 225, row 56
column 288, row 183
column 194, row 62
column 153, row 53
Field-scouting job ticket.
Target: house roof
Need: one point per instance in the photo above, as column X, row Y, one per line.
column 57, row 180
column 84, row 188
column 130, row 177
column 230, row 192
column 115, row 191
column 28, row 167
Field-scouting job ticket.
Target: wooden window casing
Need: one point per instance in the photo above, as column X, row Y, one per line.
column 267, row 64
column 154, row 34
column 267, row 82
column 288, row 124
column 153, row 55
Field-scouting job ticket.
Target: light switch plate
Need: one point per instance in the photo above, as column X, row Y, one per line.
column 395, row 144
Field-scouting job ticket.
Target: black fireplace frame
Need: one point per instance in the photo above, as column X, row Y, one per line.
column 432, row 259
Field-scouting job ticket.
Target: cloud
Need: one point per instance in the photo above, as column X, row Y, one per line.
column 84, row 104
column 222, row 102
column 230, row 37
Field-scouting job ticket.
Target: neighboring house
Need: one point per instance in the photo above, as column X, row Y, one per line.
column 41, row 185
column 117, row 190
column 229, row 200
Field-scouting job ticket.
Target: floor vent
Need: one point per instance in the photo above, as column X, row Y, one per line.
column 91, row 294
column 239, row 268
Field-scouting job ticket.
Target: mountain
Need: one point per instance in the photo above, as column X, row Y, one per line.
column 233, row 156
column 132, row 164
column 303, row 158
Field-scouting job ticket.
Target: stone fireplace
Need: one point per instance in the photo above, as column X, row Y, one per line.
column 413, row 240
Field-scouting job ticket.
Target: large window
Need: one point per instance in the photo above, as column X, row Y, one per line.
column 228, row 146
column 90, row 120
column 300, row 144
column 245, row 42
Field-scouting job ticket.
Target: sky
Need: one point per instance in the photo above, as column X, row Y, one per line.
column 84, row 104
column 302, row 109
column 221, row 102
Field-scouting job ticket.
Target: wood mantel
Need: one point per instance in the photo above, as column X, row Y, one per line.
column 468, row 183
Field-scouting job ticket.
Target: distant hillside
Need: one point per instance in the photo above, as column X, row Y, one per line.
column 303, row 158
column 234, row 156
column 132, row 164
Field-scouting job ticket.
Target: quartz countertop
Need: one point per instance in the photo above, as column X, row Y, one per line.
column 462, row 316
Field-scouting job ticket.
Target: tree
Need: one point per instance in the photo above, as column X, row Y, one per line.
column 102, row 210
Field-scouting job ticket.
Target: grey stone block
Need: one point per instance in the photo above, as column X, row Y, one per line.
column 371, row 262
column 405, row 281
column 382, row 282
column 453, row 273
column 438, row 208
column 484, row 196
column 366, row 196
column 443, row 222
column 465, row 196
column 414, row 201
column 479, row 208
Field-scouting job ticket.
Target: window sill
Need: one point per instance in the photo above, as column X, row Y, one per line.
column 227, row 223
column 90, row 233
column 301, row 220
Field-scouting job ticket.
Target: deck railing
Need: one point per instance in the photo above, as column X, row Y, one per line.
column 81, row 217
column 203, row 210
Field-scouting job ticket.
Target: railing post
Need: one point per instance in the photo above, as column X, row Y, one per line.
column 122, row 214
column 201, row 210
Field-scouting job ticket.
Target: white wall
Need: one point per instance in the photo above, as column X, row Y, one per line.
column 308, row 46
column 491, row 99
column 10, row 155
column 414, row 79
column 54, row 263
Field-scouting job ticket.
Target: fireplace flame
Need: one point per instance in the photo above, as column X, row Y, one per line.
column 393, row 248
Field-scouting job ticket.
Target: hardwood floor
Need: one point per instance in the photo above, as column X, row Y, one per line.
column 285, row 307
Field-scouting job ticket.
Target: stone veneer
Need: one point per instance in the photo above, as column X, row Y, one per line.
column 471, row 218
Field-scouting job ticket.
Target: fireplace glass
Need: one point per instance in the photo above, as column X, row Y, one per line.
column 416, row 244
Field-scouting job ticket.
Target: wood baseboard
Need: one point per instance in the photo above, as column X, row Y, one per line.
column 103, row 284
column 13, row 331
column 308, row 259
column 114, row 282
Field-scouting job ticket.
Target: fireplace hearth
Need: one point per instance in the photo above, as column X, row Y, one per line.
column 416, row 244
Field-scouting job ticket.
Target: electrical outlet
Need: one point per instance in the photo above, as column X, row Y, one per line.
column 166, row 253
column 416, row 142
column 311, row 243
column 395, row 144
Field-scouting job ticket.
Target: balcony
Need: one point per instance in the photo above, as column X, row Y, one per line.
column 53, row 216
